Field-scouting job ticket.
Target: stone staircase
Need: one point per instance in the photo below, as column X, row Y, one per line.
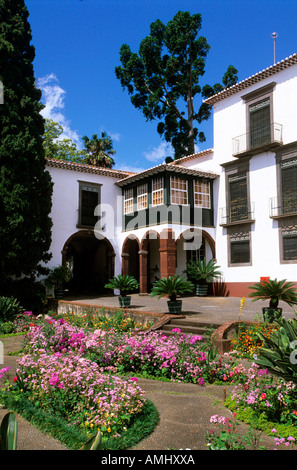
column 188, row 326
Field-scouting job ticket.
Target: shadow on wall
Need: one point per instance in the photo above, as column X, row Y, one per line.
column 220, row 289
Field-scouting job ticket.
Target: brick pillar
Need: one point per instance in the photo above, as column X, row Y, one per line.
column 125, row 264
column 143, row 271
column 167, row 255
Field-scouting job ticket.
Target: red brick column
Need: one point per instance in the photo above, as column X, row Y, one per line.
column 143, row 271
column 167, row 254
column 125, row 264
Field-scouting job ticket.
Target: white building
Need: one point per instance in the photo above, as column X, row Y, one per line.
column 239, row 199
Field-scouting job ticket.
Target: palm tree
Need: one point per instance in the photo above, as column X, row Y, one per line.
column 100, row 150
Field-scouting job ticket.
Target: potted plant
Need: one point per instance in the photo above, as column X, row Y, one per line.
column 123, row 283
column 171, row 287
column 57, row 279
column 201, row 273
column 274, row 291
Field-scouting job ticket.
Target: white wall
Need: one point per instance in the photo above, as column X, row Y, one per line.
column 65, row 205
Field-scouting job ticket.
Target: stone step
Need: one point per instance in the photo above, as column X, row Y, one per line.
column 189, row 322
column 190, row 327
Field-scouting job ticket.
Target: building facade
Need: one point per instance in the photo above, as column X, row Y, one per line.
column 236, row 202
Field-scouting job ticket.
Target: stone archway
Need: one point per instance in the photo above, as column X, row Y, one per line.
column 130, row 257
column 205, row 248
column 91, row 261
column 149, row 260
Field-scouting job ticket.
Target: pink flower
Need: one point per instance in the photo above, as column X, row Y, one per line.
column 176, row 330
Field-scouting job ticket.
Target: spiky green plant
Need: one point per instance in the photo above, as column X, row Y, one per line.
column 9, row 309
column 123, row 283
column 8, row 432
column 202, row 271
column 274, row 291
column 171, row 286
column 93, row 443
column 279, row 351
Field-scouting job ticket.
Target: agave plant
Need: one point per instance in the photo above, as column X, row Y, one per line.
column 8, row 432
column 274, row 291
column 279, row 351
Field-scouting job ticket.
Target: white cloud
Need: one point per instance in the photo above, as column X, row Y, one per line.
column 53, row 99
column 159, row 153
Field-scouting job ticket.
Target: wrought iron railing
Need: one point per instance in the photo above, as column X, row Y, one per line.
column 237, row 213
column 256, row 138
column 283, row 205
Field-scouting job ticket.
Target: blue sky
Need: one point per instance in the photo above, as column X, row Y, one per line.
column 77, row 46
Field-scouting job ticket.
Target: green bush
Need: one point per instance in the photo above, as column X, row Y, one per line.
column 9, row 309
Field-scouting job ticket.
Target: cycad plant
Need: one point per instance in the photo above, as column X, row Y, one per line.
column 124, row 283
column 201, row 272
column 171, row 287
column 274, row 291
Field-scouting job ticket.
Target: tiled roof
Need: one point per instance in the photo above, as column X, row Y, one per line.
column 165, row 167
column 87, row 168
column 278, row 67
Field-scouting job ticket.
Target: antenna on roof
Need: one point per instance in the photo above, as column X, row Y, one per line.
column 274, row 36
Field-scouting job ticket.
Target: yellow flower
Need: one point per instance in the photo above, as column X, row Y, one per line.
column 108, row 430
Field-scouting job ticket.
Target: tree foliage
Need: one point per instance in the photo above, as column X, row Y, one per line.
column 99, row 150
column 162, row 79
column 25, row 185
column 60, row 149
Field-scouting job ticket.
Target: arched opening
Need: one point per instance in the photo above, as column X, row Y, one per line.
column 130, row 257
column 91, row 261
column 149, row 261
column 196, row 248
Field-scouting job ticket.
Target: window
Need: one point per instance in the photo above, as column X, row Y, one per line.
column 142, row 197
column 178, row 191
column 238, row 197
column 89, row 198
column 128, row 201
column 239, row 246
column 157, row 191
column 202, row 194
column 289, row 244
column 260, row 131
column 289, row 186
column 240, row 249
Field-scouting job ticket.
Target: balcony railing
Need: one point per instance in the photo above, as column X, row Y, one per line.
column 237, row 214
column 283, row 206
column 260, row 138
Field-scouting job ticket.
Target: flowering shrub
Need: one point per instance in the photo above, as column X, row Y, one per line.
column 180, row 357
column 224, row 435
column 247, row 341
column 275, row 401
column 75, row 389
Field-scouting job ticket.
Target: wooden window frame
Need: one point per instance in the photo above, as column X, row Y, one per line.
column 157, row 192
column 128, row 201
column 93, row 186
column 202, row 194
column 182, row 191
column 142, row 196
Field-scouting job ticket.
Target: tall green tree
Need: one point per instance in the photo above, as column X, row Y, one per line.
column 25, row 185
column 99, row 150
column 60, row 149
column 163, row 79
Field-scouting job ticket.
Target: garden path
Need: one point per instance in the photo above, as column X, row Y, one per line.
column 184, row 409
